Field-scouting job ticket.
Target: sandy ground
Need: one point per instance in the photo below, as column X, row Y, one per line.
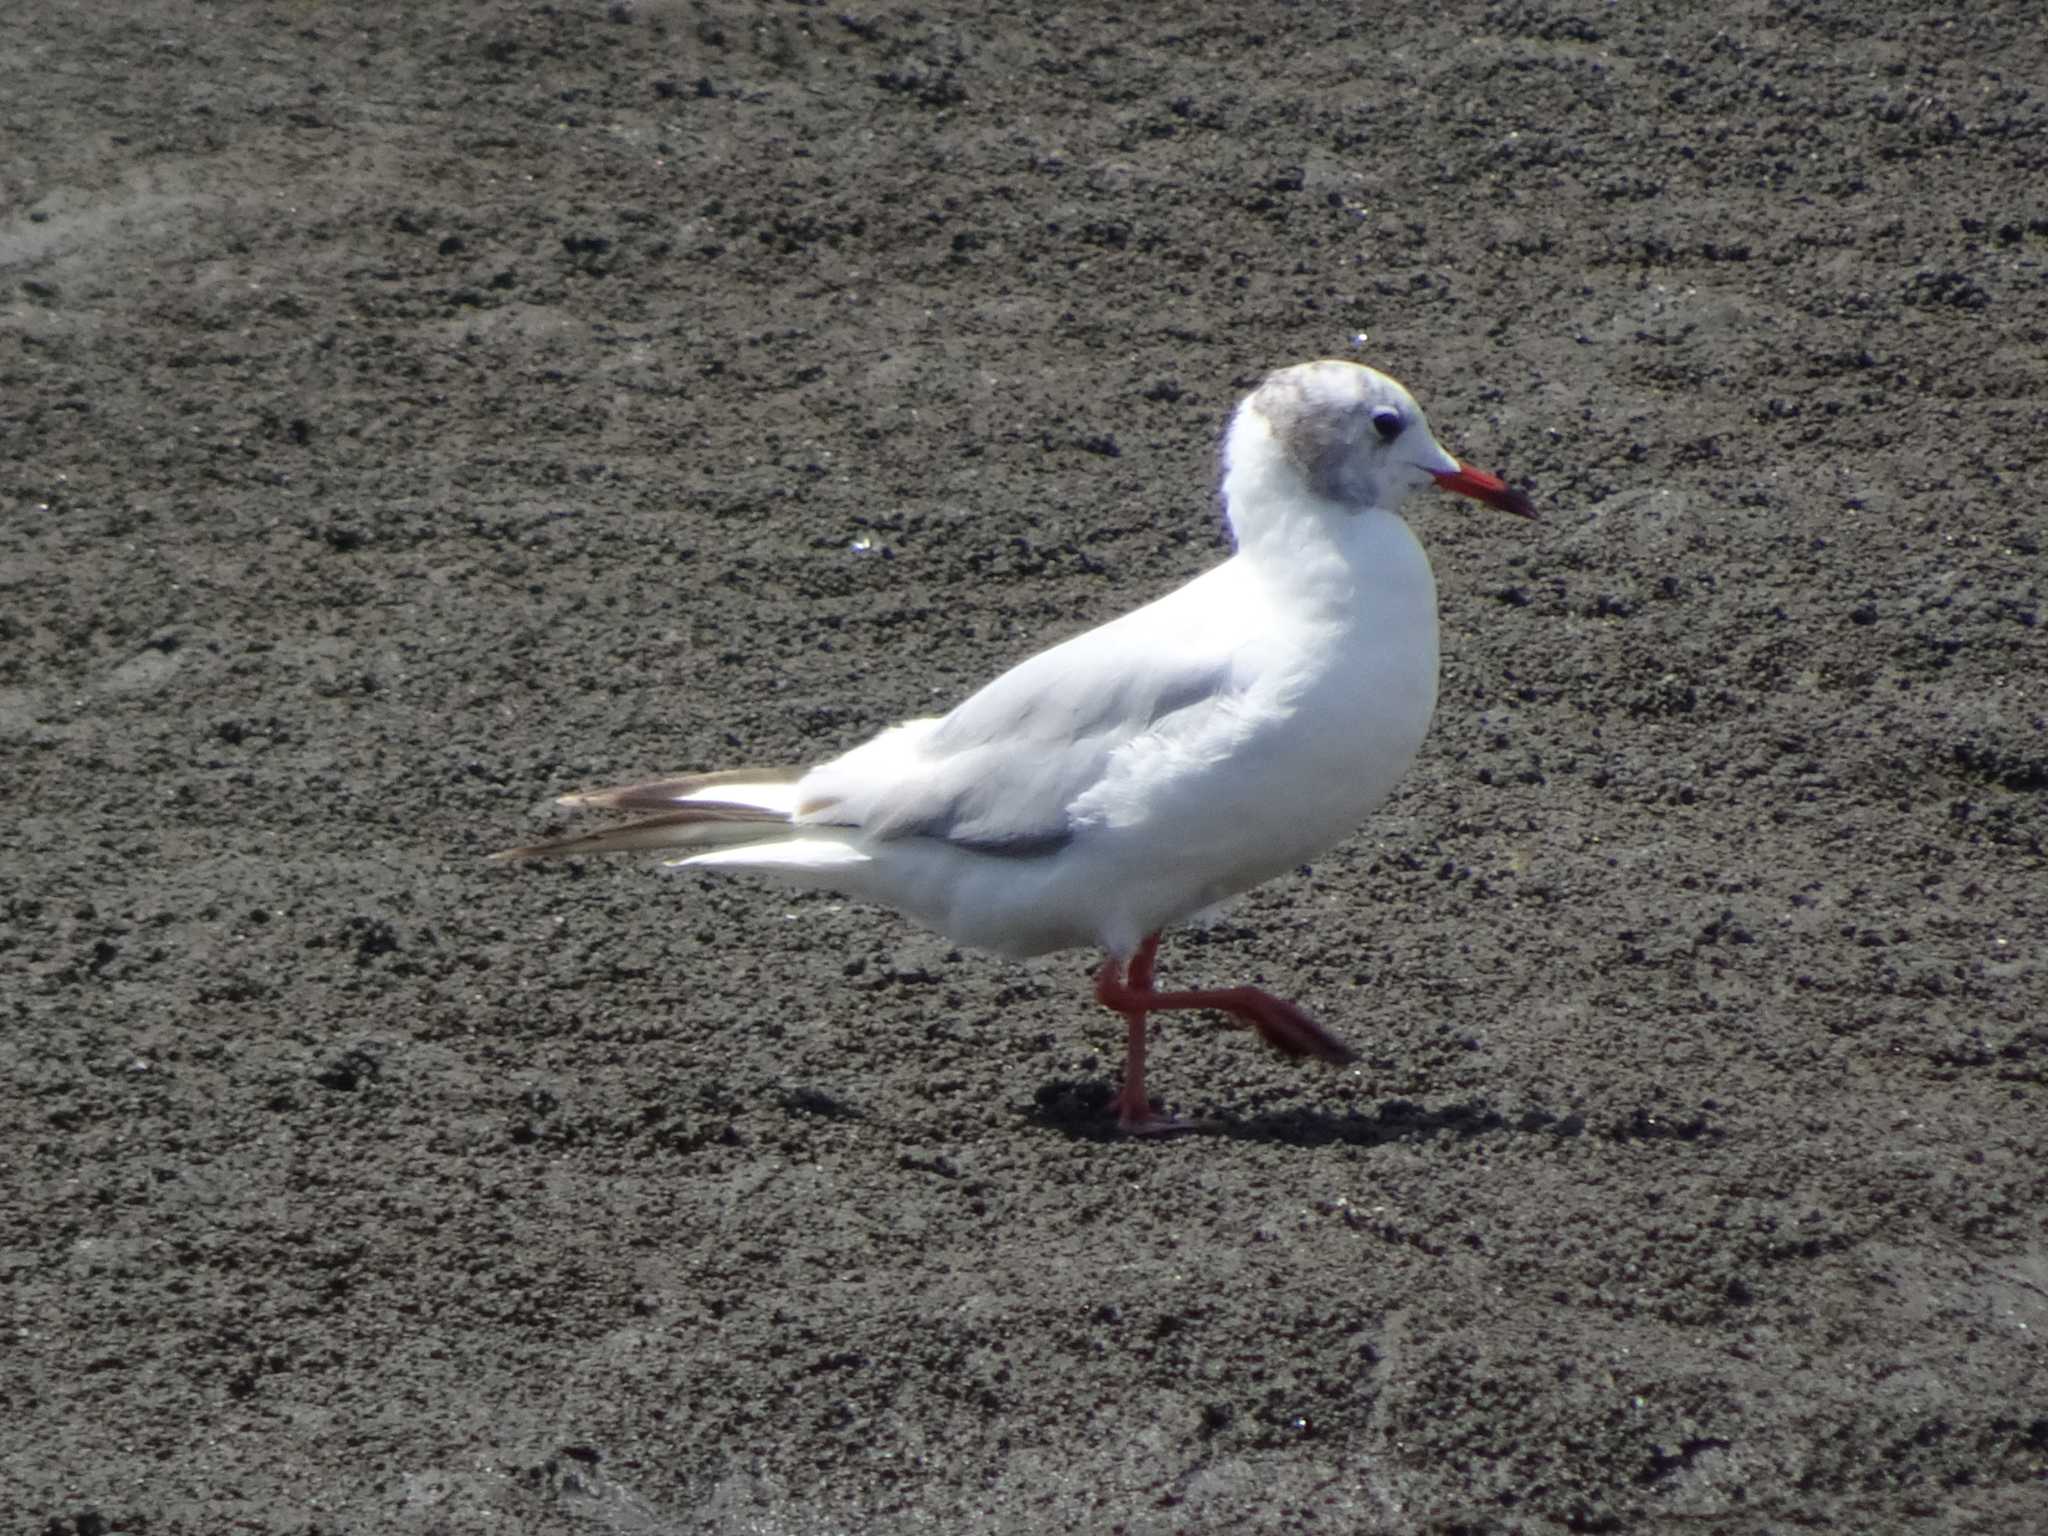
column 409, row 413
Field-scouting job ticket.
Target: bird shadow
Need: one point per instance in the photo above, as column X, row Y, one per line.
column 1085, row 1111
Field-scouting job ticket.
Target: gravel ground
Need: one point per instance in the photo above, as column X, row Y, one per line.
column 408, row 413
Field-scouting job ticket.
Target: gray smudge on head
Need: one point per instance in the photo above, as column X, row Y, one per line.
column 1317, row 412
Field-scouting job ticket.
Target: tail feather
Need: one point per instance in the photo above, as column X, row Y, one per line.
column 770, row 789
column 707, row 824
column 811, row 854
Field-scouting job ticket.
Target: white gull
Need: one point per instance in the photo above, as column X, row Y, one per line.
column 1130, row 777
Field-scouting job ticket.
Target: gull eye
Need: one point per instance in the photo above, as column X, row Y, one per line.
column 1388, row 423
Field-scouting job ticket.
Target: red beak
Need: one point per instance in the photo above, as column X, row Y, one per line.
column 1491, row 489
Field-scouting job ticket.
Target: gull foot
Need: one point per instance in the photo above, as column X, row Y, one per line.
column 1283, row 1026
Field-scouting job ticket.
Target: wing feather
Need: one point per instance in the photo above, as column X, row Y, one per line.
column 1004, row 772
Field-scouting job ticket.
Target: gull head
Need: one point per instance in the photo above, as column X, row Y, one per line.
column 1345, row 436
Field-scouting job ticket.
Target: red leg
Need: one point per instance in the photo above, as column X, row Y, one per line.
column 1282, row 1025
column 1133, row 1107
column 1142, row 964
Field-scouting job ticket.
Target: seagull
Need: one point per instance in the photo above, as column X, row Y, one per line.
column 1138, row 775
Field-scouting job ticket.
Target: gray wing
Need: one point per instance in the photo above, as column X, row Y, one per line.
column 1020, row 752
column 1001, row 773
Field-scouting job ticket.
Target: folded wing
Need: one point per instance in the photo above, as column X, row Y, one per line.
column 1008, row 773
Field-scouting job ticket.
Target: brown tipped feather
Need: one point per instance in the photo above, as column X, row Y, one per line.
column 705, row 824
column 660, row 794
